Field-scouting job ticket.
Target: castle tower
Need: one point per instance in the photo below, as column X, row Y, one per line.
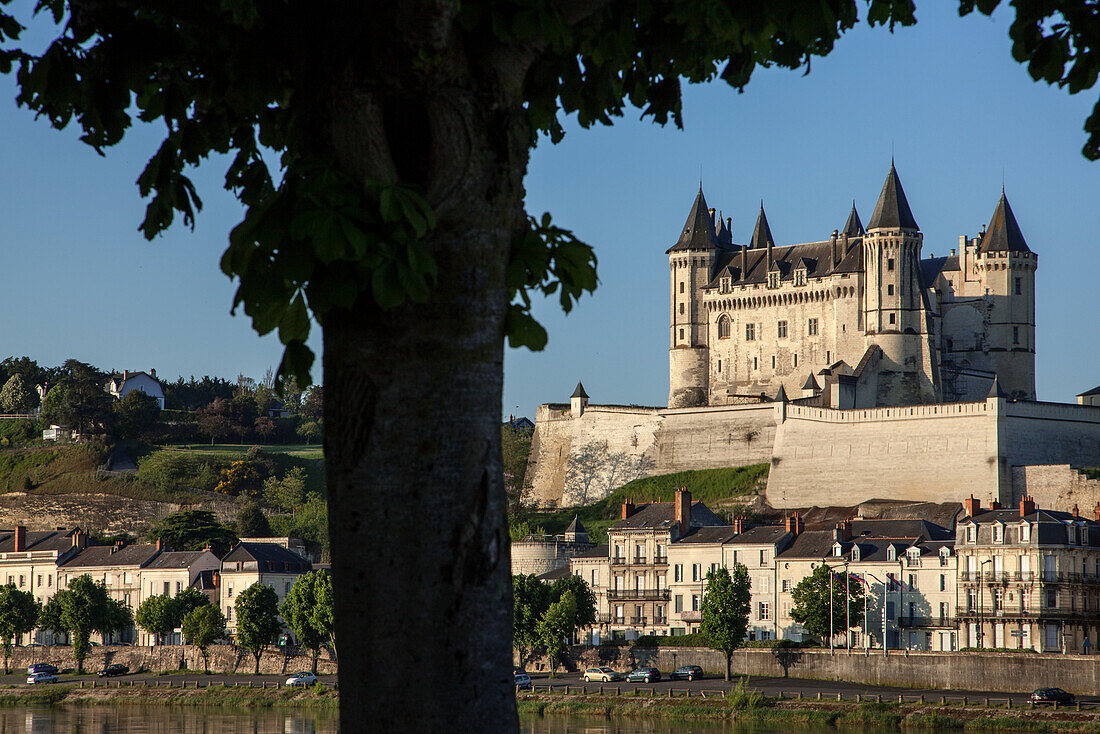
column 1006, row 267
column 578, row 401
column 691, row 263
column 894, row 313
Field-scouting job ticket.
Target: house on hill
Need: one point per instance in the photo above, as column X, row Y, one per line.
column 121, row 385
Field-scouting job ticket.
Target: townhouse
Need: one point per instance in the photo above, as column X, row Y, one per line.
column 170, row 572
column 1029, row 577
column 119, row 567
column 250, row 563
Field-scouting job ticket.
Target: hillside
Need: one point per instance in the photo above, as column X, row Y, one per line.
column 721, row 489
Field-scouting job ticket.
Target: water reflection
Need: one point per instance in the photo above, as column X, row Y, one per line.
column 163, row 720
column 587, row 725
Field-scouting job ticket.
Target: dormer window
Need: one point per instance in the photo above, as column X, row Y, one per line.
column 773, row 280
column 800, row 277
column 998, row 533
column 725, row 285
column 855, row 552
column 1071, row 533
column 838, row 550
column 971, row 534
column 891, row 553
column 1025, row 532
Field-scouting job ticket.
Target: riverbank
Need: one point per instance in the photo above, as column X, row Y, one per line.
column 745, row 708
column 196, row 694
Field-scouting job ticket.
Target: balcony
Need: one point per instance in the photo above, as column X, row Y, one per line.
column 639, row 560
column 639, row 621
column 638, row 594
column 618, row 560
column 660, row 561
column 926, row 622
column 692, row 616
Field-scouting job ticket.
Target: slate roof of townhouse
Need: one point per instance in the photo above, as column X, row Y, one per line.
column 1051, row 524
column 111, row 555
column 176, row 559
column 599, row 551
column 558, row 573
column 710, row 534
column 38, row 540
column 279, row 558
column 1088, row 393
column 662, row 515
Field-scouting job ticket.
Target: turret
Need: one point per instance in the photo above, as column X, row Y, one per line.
column 578, row 401
column 691, row 265
column 895, row 317
column 1006, row 268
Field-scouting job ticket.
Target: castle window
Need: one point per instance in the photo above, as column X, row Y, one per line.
column 773, row 280
column 725, row 285
column 782, row 329
column 800, row 277
column 1015, row 334
column 1019, row 287
column 723, row 327
column 754, row 365
column 796, row 360
column 890, row 263
column 719, row 366
column 893, row 318
column 681, row 308
column 750, row 332
column 828, row 357
column 890, row 290
column 681, row 286
column 811, row 327
column 681, row 333
column 773, row 361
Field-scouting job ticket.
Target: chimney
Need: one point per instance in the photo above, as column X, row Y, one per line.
column 1076, row 511
column 20, row 538
column 973, row 506
column 1096, row 512
column 739, row 523
column 842, row 531
column 832, row 249
column 744, row 261
column 152, row 373
column 628, row 509
column 160, row 544
column 683, row 510
column 125, row 374
column 794, row 524
column 994, row 505
column 80, row 540
column 1027, row 505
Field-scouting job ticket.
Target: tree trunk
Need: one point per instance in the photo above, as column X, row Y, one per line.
column 257, row 656
column 729, row 665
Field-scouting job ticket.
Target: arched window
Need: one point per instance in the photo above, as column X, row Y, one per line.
column 723, row 327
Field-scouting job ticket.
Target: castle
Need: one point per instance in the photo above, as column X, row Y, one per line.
column 858, row 320
column 855, row 367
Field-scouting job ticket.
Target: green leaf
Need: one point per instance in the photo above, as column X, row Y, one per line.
column 294, row 326
column 523, row 331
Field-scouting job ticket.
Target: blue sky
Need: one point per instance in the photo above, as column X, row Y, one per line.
column 944, row 96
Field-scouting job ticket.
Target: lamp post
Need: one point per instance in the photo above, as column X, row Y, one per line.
column 884, row 645
column 981, row 602
column 847, row 604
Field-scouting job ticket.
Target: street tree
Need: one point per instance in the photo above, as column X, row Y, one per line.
column 307, row 610
column 555, row 627
column 811, row 599
column 530, row 599
column 157, row 616
column 402, row 132
column 19, row 612
column 727, row 601
column 81, row 609
column 257, row 610
column 584, row 600
column 16, row 396
column 202, row 627
column 188, row 600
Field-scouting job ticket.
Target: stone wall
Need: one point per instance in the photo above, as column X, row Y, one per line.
column 107, row 512
column 539, row 556
column 1000, row 672
column 223, row 659
column 1057, row 486
column 931, row 453
column 651, row 440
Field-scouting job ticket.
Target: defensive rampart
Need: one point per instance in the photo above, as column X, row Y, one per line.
column 822, row 456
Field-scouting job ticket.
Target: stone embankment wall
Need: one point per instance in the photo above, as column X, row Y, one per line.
column 1056, row 485
column 927, row 453
column 108, row 512
column 652, row 440
column 1000, row 672
column 223, row 659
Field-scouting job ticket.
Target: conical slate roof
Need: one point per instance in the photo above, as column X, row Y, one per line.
column 575, row 526
column 698, row 231
column 854, row 227
column 1003, row 233
column 892, row 210
column 579, row 392
column 762, row 233
column 781, row 396
column 721, row 232
column 811, row 383
column 995, row 390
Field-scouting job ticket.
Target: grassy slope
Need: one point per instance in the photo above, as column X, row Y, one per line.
column 710, row 485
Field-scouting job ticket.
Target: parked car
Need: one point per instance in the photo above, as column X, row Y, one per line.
column 602, row 674
column 112, row 670
column 41, row 678
column 305, row 678
column 42, row 668
column 1052, row 695
column 686, row 672
column 645, row 675
column 522, row 680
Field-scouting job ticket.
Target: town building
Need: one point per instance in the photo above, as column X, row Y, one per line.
column 540, row 554
column 119, row 568
column 169, row 573
column 257, row 563
column 1028, row 577
column 858, row 319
